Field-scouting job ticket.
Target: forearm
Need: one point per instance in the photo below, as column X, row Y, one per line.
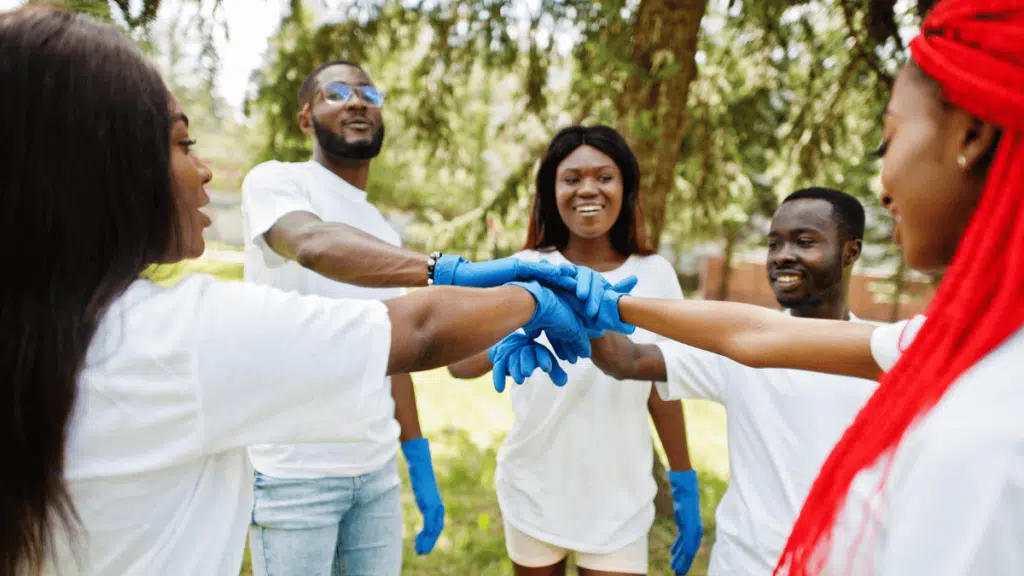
column 621, row 358
column 756, row 336
column 472, row 367
column 671, row 427
column 440, row 325
column 346, row 254
column 406, row 414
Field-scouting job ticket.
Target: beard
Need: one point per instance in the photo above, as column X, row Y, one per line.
column 336, row 145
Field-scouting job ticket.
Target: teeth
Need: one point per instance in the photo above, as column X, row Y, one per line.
column 588, row 209
column 787, row 278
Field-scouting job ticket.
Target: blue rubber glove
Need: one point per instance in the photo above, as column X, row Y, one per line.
column 558, row 321
column 686, row 509
column 424, row 487
column 456, row 271
column 518, row 356
column 601, row 296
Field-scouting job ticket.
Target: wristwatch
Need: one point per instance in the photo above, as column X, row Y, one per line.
column 431, row 262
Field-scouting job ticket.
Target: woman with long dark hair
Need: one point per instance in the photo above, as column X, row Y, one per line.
column 574, row 473
column 126, row 406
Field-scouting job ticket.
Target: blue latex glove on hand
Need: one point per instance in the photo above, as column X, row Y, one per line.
column 556, row 319
column 424, row 487
column 686, row 509
column 518, row 356
column 456, row 271
column 596, row 301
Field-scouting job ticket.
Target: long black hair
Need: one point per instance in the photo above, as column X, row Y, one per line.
column 85, row 205
column 547, row 230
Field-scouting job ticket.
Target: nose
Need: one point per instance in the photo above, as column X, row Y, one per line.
column 204, row 172
column 885, row 199
column 588, row 188
column 356, row 102
column 783, row 256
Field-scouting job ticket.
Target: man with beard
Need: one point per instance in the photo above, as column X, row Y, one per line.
column 782, row 424
column 335, row 508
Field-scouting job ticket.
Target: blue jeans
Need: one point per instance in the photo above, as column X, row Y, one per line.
column 328, row 526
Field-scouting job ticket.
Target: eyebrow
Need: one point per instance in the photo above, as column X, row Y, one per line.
column 577, row 169
column 180, row 116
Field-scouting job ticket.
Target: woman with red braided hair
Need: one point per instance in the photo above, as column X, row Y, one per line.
column 929, row 478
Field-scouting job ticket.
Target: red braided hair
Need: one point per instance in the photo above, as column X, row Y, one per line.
column 975, row 50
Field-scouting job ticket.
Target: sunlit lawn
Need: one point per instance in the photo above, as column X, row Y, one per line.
column 466, row 422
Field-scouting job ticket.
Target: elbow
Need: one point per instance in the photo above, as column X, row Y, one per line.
column 614, row 369
column 309, row 249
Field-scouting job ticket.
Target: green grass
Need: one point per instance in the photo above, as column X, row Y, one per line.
column 466, row 422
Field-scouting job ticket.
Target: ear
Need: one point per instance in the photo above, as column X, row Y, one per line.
column 977, row 140
column 306, row 119
column 851, row 252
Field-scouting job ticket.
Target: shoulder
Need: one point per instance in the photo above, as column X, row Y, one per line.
column 270, row 172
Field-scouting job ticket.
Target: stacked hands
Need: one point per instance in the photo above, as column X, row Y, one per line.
column 574, row 305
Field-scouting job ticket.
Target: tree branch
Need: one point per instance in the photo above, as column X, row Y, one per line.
column 868, row 57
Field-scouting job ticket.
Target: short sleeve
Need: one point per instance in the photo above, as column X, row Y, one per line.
column 269, row 192
column 691, row 373
column 888, row 342
column 279, row 367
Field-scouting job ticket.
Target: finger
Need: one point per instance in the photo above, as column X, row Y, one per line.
column 583, row 279
column 527, row 360
column 558, row 376
column 596, row 294
column 513, row 367
column 543, row 358
column 498, row 374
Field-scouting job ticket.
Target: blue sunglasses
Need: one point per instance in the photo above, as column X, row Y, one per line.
column 339, row 93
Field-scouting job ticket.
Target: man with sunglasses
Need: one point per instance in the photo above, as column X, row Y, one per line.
column 330, row 508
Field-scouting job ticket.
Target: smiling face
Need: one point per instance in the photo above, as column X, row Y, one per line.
column 929, row 194
column 189, row 177
column 352, row 128
column 805, row 253
column 588, row 192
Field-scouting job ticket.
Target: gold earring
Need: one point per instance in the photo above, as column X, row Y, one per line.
column 961, row 161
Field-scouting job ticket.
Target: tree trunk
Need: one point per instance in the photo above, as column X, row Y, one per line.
column 652, row 106
column 651, row 111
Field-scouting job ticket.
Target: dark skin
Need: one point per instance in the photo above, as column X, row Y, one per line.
column 935, row 161
column 305, row 238
column 809, row 266
column 332, row 249
column 588, row 194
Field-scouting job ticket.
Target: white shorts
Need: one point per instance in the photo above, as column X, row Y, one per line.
column 527, row 551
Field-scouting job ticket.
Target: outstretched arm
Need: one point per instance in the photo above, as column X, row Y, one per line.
column 758, row 337
column 344, row 253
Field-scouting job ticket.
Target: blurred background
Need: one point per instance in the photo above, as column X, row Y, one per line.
column 730, row 105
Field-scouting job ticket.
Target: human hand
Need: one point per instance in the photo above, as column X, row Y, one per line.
column 558, row 321
column 424, row 488
column 686, row 511
column 596, row 301
column 519, row 356
column 456, row 271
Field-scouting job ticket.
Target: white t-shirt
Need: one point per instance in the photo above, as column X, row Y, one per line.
column 177, row 382
column 270, row 191
column 781, row 426
column 575, row 469
column 953, row 502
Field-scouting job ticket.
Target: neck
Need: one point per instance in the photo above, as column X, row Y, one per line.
column 596, row 253
column 833, row 305
column 355, row 172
